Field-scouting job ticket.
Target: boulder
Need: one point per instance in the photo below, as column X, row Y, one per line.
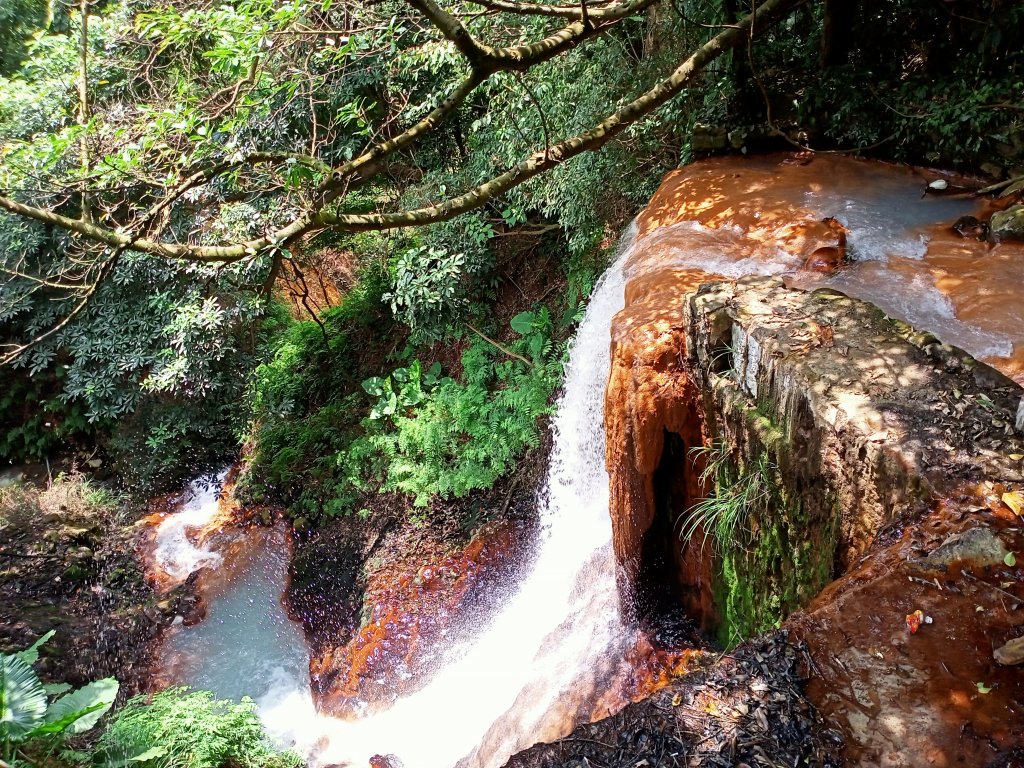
column 971, row 226
column 707, row 138
column 1007, row 225
column 977, row 546
column 1011, row 652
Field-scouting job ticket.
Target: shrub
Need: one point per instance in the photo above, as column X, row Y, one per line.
column 26, row 717
column 179, row 728
column 446, row 437
column 301, row 401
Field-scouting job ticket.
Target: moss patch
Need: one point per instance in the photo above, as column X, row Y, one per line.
column 781, row 555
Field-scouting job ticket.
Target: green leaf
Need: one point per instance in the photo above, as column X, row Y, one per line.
column 523, row 322
column 141, row 757
column 22, row 698
column 79, row 711
column 31, row 654
column 1010, row 559
column 56, row 689
column 374, row 386
column 982, row 688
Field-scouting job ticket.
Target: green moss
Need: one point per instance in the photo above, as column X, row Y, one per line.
column 781, row 556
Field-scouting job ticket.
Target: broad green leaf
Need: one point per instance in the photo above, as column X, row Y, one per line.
column 31, row 654
column 22, row 698
column 79, row 711
column 523, row 322
column 1010, row 559
column 141, row 757
column 374, row 386
column 56, row 689
column 62, row 725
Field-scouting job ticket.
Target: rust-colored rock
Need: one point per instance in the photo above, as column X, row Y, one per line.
column 413, row 606
column 860, row 423
column 649, row 396
column 828, row 258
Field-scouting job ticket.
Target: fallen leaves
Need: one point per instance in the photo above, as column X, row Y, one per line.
column 1015, row 501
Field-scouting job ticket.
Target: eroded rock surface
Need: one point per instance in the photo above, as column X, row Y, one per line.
column 887, row 447
column 912, row 444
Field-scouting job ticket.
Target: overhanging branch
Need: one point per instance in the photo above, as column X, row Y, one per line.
column 767, row 14
column 367, row 165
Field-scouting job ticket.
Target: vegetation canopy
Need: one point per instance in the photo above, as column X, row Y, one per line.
column 168, row 167
column 150, row 173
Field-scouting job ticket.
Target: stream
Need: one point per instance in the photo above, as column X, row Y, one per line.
column 555, row 644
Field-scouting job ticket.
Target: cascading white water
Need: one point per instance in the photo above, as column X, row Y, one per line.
column 175, row 554
column 546, row 655
column 502, row 689
column 514, row 683
column 563, row 615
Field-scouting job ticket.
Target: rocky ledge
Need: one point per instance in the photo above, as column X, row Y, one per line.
column 867, row 480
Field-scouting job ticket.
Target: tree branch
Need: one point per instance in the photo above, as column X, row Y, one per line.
column 83, row 103
column 580, row 12
column 763, row 17
column 364, row 167
column 453, row 31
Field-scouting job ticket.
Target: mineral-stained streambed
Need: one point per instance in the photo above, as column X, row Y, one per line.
column 560, row 645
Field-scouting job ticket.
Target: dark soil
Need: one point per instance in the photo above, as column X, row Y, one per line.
column 747, row 708
column 68, row 563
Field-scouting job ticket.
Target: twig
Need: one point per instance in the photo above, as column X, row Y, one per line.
column 540, row 110
column 499, row 345
column 1000, row 185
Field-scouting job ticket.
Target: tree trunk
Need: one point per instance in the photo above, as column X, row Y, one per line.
column 837, row 32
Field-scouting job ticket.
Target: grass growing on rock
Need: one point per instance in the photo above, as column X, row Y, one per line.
column 771, row 557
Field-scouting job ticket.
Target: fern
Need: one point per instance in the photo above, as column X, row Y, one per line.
column 180, row 727
column 461, row 436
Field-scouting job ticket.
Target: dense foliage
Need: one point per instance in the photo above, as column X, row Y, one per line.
column 36, row 718
column 178, row 727
column 169, row 364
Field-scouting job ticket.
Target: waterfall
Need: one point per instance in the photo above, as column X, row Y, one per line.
column 542, row 660
column 515, row 682
column 175, row 553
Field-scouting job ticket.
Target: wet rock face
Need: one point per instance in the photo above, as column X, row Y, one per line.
column 1007, row 225
column 907, row 447
column 650, row 401
column 890, row 454
column 413, row 609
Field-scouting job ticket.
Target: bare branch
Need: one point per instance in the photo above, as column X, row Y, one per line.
column 83, row 102
column 580, row 12
column 359, row 170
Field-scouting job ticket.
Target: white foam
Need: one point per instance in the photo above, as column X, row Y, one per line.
column 175, row 553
